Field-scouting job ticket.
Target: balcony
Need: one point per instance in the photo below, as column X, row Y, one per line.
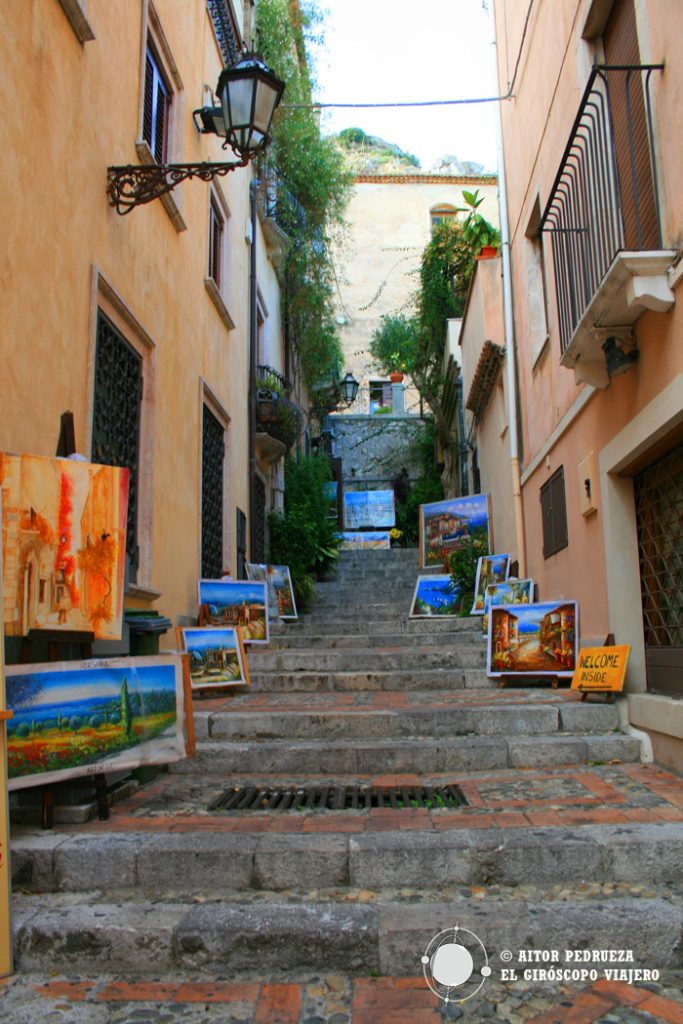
column 278, row 419
column 603, row 220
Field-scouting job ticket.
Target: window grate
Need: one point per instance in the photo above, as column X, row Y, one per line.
column 226, row 33
column 659, row 514
column 116, row 417
column 334, row 796
column 259, row 552
column 213, row 456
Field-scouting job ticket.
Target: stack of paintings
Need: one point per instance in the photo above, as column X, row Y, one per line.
column 278, row 580
column 490, row 569
column 242, row 604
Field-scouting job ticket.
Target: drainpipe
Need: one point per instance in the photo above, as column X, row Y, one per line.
column 510, row 361
column 253, row 335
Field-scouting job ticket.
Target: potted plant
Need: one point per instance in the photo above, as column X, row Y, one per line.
column 396, row 377
column 479, row 233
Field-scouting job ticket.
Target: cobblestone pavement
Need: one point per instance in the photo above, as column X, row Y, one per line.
column 587, row 795
column 332, row 999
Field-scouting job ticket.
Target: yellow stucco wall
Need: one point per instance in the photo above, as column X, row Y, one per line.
column 378, row 258
column 72, row 109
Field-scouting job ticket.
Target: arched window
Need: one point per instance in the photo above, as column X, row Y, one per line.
column 442, row 212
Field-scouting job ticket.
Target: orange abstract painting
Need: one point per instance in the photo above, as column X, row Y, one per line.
column 64, row 545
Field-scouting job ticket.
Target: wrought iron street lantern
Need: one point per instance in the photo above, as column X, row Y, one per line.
column 249, row 94
column 349, row 389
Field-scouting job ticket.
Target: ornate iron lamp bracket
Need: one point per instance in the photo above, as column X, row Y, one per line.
column 131, row 186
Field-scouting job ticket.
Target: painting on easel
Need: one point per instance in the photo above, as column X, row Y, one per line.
column 64, row 525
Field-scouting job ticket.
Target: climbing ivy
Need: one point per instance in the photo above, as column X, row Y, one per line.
column 311, row 188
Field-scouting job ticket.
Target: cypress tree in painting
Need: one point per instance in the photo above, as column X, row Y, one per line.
column 126, row 710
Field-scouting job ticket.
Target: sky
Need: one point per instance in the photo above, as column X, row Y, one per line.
column 402, row 50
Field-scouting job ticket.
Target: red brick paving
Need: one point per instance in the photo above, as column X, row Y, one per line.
column 374, row 1000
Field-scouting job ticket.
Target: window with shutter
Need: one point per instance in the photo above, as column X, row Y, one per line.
column 215, row 242
column 155, row 109
column 554, row 514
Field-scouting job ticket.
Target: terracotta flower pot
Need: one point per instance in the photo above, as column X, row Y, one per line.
column 396, row 377
column 487, row 252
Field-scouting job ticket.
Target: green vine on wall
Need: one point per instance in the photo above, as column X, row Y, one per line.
column 311, row 187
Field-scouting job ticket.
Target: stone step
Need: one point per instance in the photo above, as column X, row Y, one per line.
column 269, row 936
column 332, row 641
column 417, row 679
column 433, row 626
column 491, row 720
column 373, row 659
column 203, row 863
column 380, row 757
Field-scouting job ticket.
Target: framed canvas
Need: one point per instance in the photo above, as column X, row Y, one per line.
column 446, row 525
column 216, row 656
column 368, row 508
column 490, row 569
column 365, row 541
column 76, row 718
column 507, row 592
column 434, row 595
column 533, row 639
column 64, row 525
column 280, row 590
column 239, row 603
column 6, row 953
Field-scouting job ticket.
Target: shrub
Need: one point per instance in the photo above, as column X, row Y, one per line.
column 304, row 536
column 75, row 723
column 462, row 565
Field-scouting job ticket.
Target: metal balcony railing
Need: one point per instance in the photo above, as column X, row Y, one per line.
column 604, row 199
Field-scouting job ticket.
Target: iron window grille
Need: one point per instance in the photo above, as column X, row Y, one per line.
column 602, row 164
column 241, row 543
column 554, row 513
column 213, row 457
column 226, row 31
column 116, row 418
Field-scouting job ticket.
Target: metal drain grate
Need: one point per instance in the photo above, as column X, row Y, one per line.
column 333, row 797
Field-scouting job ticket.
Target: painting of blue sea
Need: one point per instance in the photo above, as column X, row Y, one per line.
column 434, row 595
column 78, row 718
column 447, row 525
column 216, row 657
column 242, row 604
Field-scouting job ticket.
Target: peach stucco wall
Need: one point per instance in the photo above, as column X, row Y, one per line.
column 70, row 110
column 561, row 424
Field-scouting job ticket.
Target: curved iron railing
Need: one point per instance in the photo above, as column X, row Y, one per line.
column 584, row 215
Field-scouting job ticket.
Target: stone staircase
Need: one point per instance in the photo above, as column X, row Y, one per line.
column 358, row 693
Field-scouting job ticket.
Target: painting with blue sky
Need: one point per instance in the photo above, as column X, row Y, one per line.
column 242, row 604
column 75, row 718
column 435, row 595
column 216, row 657
column 490, row 569
column 447, row 525
column 507, row 592
column 533, row 639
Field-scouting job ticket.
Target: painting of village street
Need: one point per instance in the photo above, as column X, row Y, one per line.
column 534, row 639
column 216, row 657
column 447, row 525
column 507, row 592
column 239, row 603
column 74, row 718
column 435, row 595
column 280, row 590
column 64, row 531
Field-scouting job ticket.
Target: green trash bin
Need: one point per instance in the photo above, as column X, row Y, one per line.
column 145, row 629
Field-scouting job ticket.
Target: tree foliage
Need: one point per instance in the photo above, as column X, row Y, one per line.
column 311, row 188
